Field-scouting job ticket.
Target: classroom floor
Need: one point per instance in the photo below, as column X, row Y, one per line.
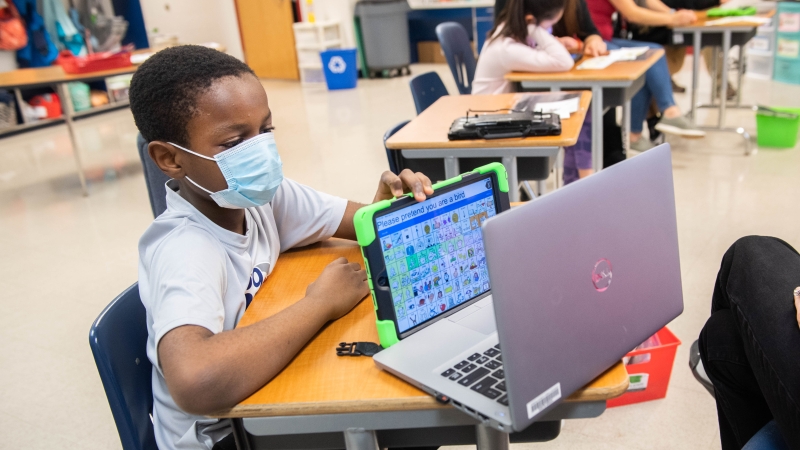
column 64, row 256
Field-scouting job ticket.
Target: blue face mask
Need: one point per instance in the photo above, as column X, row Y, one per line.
column 253, row 170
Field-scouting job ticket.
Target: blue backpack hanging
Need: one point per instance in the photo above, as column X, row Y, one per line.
column 40, row 51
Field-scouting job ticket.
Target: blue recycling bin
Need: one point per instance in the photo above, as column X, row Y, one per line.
column 340, row 68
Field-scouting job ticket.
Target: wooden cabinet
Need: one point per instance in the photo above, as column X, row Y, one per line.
column 267, row 37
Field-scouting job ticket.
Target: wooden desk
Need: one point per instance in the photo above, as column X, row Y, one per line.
column 613, row 86
column 426, row 135
column 56, row 77
column 722, row 37
column 319, row 392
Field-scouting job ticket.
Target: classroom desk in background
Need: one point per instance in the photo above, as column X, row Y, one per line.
column 723, row 37
column 321, row 400
column 613, row 86
column 56, row 77
column 426, row 136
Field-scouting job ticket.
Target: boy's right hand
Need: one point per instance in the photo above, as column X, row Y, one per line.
column 339, row 287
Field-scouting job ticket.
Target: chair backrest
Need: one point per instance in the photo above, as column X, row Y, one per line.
column 426, row 89
column 154, row 178
column 457, row 49
column 118, row 338
column 395, row 165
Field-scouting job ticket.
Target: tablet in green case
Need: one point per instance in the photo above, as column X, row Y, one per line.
column 425, row 259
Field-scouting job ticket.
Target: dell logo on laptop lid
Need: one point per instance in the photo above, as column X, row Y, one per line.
column 601, row 275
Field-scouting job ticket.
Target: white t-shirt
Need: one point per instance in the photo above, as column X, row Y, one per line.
column 193, row 272
column 501, row 55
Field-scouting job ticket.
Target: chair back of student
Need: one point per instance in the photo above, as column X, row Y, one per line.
column 433, row 167
column 426, row 89
column 457, row 49
column 118, row 338
column 153, row 177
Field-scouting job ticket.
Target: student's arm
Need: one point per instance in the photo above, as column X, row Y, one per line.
column 207, row 372
column 657, row 5
column 390, row 186
column 548, row 56
column 644, row 16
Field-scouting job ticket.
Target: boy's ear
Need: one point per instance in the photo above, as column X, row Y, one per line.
column 164, row 156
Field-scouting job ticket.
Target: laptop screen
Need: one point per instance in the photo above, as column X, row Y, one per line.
column 434, row 252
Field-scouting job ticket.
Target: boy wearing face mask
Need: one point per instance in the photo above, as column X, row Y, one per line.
column 230, row 212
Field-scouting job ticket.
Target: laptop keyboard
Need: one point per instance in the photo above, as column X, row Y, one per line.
column 483, row 373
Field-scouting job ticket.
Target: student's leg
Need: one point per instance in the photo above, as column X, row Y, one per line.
column 753, row 337
column 570, row 167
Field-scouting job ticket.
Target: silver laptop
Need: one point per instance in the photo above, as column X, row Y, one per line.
column 578, row 278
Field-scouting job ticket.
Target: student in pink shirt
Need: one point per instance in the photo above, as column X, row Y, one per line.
column 520, row 41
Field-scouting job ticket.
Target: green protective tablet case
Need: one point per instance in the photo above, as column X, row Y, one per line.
column 370, row 246
column 731, row 12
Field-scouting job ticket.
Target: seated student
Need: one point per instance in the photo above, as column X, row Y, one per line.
column 750, row 346
column 230, row 212
column 658, row 84
column 520, row 41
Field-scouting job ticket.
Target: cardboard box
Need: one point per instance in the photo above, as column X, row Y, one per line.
column 431, row 52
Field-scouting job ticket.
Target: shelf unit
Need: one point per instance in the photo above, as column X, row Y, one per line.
column 311, row 39
column 66, row 108
column 760, row 53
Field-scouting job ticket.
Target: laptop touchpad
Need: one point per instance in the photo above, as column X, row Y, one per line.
column 481, row 321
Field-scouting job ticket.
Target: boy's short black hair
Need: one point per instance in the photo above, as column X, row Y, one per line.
column 164, row 90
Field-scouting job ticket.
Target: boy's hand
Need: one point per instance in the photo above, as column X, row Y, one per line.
column 392, row 185
column 339, row 287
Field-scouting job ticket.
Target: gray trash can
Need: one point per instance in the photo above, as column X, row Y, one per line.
column 384, row 30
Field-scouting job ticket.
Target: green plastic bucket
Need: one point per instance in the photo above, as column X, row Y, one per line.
column 777, row 127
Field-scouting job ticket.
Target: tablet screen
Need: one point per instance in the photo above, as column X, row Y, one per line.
column 434, row 252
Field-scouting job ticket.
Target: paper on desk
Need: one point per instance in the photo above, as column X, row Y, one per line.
column 755, row 20
column 622, row 54
column 563, row 108
column 561, row 103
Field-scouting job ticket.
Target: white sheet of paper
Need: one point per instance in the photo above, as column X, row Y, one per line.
column 622, row 54
column 563, row 108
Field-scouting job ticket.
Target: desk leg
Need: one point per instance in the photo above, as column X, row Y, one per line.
column 723, row 96
column 625, row 126
column 714, row 70
column 66, row 111
column 739, row 73
column 597, row 128
column 695, row 75
column 510, row 163
column 489, row 438
column 451, row 168
column 240, row 435
column 360, row 439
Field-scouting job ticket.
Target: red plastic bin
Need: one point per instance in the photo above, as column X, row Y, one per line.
column 649, row 370
column 95, row 62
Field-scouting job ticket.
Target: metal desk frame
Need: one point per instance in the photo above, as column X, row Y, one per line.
column 725, row 37
column 376, row 430
column 509, row 157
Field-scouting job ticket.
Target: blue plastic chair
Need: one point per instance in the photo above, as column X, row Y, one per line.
column 118, row 338
column 154, row 178
column 457, row 49
column 426, row 89
column 433, row 168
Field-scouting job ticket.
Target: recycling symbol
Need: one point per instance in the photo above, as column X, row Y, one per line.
column 337, row 64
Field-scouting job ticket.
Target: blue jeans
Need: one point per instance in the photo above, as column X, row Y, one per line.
column 657, row 85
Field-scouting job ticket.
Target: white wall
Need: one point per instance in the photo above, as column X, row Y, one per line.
column 195, row 22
